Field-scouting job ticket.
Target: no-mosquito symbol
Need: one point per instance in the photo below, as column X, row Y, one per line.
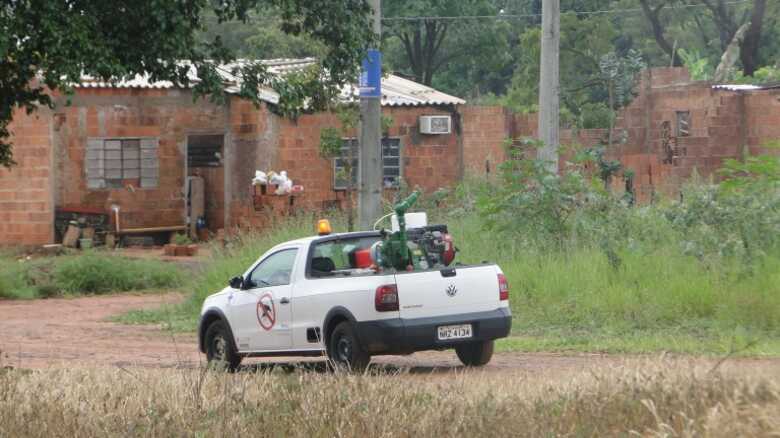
column 266, row 311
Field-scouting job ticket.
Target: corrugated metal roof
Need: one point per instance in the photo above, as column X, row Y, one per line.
column 736, row 87
column 745, row 87
column 396, row 91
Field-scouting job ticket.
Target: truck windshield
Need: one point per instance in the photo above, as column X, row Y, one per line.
column 343, row 256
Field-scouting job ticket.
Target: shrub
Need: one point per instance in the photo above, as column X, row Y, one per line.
column 94, row 273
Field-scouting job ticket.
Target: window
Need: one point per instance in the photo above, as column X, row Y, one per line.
column 683, row 123
column 113, row 163
column 204, row 150
column 275, row 270
column 346, row 164
column 338, row 256
column 391, row 163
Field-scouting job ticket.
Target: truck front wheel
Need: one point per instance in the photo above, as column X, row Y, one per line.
column 220, row 351
column 345, row 350
column 475, row 354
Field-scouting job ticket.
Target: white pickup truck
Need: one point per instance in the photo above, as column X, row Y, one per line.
column 305, row 298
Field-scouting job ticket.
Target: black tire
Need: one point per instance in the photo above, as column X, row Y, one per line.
column 221, row 354
column 345, row 351
column 475, row 354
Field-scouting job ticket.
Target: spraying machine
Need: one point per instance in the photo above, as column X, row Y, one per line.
column 418, row 248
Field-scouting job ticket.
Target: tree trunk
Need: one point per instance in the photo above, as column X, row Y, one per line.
column 652, row 15
column 748, row 51
column 610, row 88
column 422, row 46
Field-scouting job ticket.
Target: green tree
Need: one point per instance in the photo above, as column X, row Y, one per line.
column 48, row 45
column 423, row 48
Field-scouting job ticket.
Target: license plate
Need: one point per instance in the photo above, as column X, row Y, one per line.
column 454, row 331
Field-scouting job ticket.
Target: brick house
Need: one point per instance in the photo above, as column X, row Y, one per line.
column 133, row 145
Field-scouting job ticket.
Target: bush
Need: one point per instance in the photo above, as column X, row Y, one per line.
column 595, row 116
column 583, row 264
column 85, row 273
column 94, row 273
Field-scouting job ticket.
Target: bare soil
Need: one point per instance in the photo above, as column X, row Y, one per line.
column 75, row 332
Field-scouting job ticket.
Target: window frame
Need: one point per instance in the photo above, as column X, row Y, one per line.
column 355, row 235
column 118, row 183
column 217, row 162
column 148, row 148
column 336, row 167
column 260, row 263
column 680, row 115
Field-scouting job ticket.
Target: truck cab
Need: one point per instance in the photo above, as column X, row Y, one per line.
column 312, row 297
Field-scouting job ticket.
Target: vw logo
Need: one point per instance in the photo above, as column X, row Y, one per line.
column 452, row 290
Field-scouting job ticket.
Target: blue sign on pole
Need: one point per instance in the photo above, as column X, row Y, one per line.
column 371, row 77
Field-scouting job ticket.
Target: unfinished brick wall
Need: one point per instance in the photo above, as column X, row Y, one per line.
column 762, row 116
column 26, row 197
column 648, row 140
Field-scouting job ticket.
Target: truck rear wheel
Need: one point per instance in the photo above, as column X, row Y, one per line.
column 345, row 350
column 475, row 354
column 220, row 351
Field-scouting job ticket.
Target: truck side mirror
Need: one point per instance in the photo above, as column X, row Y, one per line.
column 236, row 282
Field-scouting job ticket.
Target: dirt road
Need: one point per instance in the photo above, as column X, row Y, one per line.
column 75, row 332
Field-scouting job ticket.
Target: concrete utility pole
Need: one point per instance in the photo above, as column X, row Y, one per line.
column 549, row 83
column 370, row 168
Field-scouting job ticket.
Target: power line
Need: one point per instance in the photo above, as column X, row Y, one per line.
column 578, row 13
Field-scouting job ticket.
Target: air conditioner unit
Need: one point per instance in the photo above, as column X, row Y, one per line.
column 435, row 124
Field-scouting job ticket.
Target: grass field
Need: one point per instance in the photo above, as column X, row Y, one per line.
column 658, row 299
column 654, row 398
column 91, row 272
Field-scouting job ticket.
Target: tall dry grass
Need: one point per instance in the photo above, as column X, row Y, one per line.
column 648, row 399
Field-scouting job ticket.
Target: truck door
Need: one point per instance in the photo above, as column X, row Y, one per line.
column 260, row 311
column 447, row 291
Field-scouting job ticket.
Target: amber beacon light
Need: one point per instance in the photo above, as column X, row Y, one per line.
column 323, row 227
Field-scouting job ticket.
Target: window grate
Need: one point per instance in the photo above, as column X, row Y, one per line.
column 112, row 163
column 350, row 153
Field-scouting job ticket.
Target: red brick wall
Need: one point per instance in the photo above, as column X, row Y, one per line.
column 762, row 115
column 721, row 123
column 169, row 115
column 485, row 130
column 26, row 201
column 428, row 161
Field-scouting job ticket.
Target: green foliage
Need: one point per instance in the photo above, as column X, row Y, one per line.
column 95, row 273
column 330, row 142
column 698, row 66
column 588, row 271
column 386, row 123
column 58, row 42
column 87, row 273
column 595, row 115
column 443, row 53
column 756, row 173
column 581, row 261
column 619, row 74
column 181, row 239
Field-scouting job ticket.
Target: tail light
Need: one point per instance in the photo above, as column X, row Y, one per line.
column 386, row 298
column 503, row 288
